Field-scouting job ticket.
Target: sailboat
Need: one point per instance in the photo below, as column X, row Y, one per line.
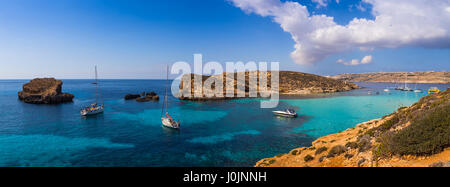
column 94, row 108
column 417, row 90
column 406, row 85
column 167, row 120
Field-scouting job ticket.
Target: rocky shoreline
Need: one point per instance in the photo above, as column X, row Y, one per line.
column 290, row 83
column 415, row 136
column 44, row 91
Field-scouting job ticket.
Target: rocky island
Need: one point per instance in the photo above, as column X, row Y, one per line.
column 415, row 136
column 44, row 91
column 439, row 77
column 143, row 97
column 291, row 83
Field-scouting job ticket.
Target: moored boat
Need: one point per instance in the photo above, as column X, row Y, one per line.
column 167, row 120
column 94, row 108
column 433, row 90
column 286, row 113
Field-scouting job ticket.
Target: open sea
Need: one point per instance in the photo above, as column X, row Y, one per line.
column 219, row 133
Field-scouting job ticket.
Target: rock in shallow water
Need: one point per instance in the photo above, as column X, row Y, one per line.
column 44, row 91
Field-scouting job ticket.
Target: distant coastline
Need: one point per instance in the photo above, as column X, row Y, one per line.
column 436, row 77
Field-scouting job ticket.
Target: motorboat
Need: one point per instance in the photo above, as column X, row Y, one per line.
column 286, row 113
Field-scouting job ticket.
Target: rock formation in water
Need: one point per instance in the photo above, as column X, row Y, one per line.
column 440, row 77
column 415, row 136
column 44, row 91
column 290, row 83
column 143, row 97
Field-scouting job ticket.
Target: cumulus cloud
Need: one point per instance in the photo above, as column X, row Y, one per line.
column 400, row 23
column 355, row 62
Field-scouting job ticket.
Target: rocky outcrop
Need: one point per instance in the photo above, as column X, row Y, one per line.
column 143, row 97
column 440, row 77
column 131, row 96
column 415, row 136
column 44, row 91
column 290, row 83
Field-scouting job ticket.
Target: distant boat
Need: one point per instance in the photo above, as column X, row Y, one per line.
column 287, row 113
column 94, row 108
column 167, row 120
column 406, row 88
column 433, row 90
column 386, row 90
column 417, row 90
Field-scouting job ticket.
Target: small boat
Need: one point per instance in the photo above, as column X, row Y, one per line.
column 167, row 120
column 386, row 90
column 95, row 108
column 287, row 113
column 92, row 110
column 418, row 91
column 433, row 90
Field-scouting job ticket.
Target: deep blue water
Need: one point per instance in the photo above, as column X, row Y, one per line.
column 222, row 133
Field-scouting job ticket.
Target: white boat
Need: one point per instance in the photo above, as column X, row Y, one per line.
column 95, row 108
column 287, row 113
column 386, row 90
column 92, row 110
column 167, row 120
column 418, row 91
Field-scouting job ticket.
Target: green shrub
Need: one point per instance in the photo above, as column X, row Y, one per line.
column 294, row 152
column 364, row 143
column 348, row 156
column 280, row 155
column 322, row 158
column 389, row 123
column 428, row 134
column 351, row 145
column 272, row 161
column 308, row 158
column 321, row 150
column 336, row 150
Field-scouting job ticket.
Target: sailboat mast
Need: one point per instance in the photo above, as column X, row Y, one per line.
column 96, row 85
column 167, row 87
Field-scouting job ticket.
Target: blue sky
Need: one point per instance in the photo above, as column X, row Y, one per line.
column 137, row 39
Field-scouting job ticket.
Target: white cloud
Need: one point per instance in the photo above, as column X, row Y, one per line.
column 321, row 3
column 355, row 62
column 400, row 23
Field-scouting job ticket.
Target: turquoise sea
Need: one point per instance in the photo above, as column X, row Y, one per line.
column 219, row 133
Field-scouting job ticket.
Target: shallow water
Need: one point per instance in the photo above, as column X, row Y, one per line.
column 220, row 133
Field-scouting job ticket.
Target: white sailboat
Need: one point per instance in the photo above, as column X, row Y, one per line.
column 94, row 108
column 167, row 120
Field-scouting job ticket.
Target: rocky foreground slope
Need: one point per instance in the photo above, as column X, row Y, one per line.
column 415, row 136
column 290, row 83
column 441, row 77
column 44, row 91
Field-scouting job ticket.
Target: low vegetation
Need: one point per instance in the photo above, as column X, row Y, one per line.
column 321, row 150
column 308, row 158
column 336, row 150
